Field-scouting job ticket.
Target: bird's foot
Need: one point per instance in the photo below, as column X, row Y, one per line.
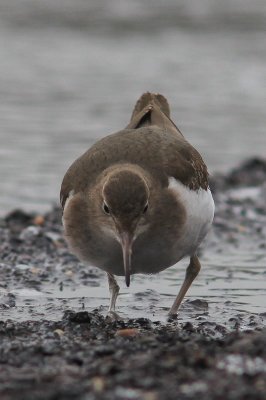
column 113, row 316
column 172, row 316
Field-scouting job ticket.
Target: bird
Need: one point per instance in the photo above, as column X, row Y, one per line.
column 138, row 200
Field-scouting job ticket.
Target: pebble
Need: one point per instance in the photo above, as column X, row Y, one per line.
column 98, row 384
column 29, row 232
column 59, row 332
column 39, row 220
column 129, row 332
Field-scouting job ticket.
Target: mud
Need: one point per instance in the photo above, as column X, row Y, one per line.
column 56, row 342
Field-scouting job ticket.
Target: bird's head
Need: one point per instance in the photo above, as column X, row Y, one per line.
column 125, row 204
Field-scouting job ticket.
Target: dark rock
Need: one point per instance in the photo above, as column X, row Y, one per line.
column 251, row 173
column 18, row 220
column 80, row 317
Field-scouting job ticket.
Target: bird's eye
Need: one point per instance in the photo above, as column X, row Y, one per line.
column 106, row 208
column 145, row 208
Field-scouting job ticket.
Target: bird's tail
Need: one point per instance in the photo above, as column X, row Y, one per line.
column 148, row 98
column 152, row 109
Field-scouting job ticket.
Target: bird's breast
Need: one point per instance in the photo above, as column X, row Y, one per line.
column 179, row 222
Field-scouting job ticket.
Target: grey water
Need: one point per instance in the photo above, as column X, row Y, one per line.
column 70, row 73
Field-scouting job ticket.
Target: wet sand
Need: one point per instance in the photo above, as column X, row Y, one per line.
column 56, row 342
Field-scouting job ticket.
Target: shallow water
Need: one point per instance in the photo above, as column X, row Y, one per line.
column 229, row 290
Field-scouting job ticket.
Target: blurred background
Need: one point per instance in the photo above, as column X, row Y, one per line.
column 71, row 71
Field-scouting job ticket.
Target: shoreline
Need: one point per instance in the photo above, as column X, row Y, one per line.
column 56, row 344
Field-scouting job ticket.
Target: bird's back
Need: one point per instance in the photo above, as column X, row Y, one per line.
column 151, row 140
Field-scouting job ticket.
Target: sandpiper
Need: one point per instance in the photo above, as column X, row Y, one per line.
column 138, row 200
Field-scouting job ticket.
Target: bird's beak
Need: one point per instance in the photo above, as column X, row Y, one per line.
column 126, row 243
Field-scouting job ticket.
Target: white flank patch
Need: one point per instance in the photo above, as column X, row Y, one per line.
column 69, row 197
column 199, row 206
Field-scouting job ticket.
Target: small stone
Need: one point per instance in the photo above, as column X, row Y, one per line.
column 7, row 301
column 242, row 229
column 98, row 384
column 79, row 317
column 53, row 236
column 38, row 220
column 188, row 327
column 29, row 232
column 59, row 332
column 128, row 332
column 22, row 267
column 150, row 396
column 35, row 270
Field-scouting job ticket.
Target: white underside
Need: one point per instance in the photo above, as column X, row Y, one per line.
column 199, row 206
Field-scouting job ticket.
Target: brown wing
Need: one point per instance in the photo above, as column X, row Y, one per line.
column 151, row 140
column 185, row 164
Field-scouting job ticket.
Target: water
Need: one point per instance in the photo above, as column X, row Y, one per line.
column 230, row 289
column 70, row 73
column 153, row 296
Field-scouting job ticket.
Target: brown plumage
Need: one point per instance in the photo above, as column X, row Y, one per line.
column 120, row 212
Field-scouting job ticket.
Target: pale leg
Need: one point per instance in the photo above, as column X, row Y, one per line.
column 191, row 273
column 114, row 290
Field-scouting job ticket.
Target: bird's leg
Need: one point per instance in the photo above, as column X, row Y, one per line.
column 191, row 273
column 114, row 290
